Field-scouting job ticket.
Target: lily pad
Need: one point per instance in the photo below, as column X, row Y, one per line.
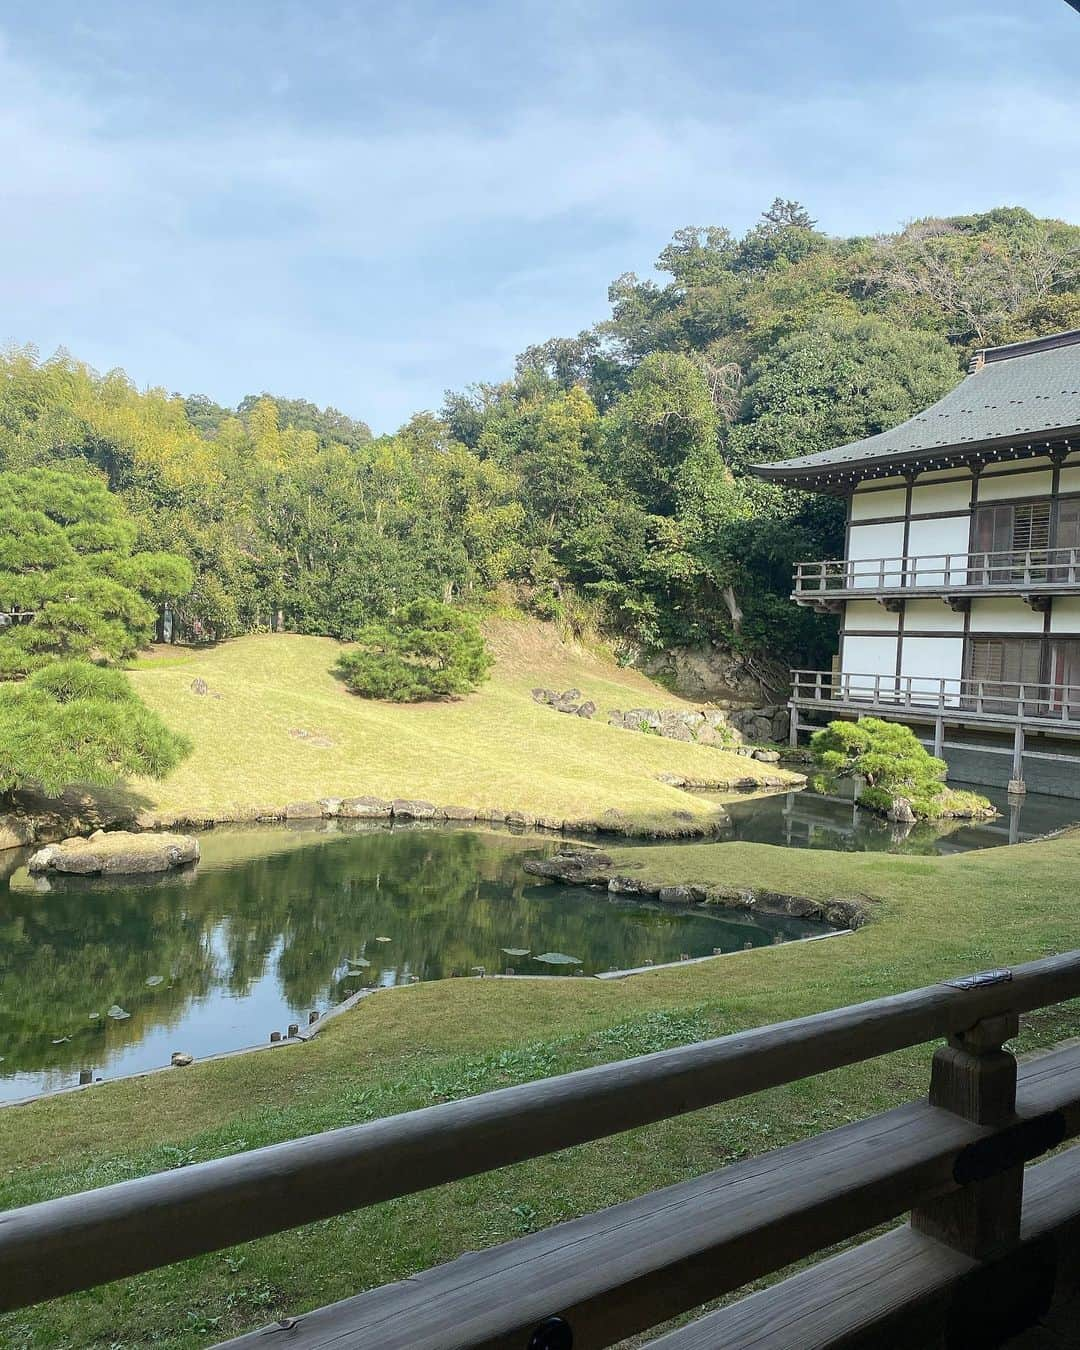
column 117, row 1013
column 60, row 1040
column 384, row 939
column 153, row 980
column 93, row 1017
column 357, row 961
column 558, row 959
column 517, row 951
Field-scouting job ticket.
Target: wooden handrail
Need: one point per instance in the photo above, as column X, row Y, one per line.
column 76, row 1242
column 1010, row 569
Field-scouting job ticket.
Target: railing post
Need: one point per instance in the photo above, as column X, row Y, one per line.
column 975, row 1077
column 793, row 728
column 817, row 686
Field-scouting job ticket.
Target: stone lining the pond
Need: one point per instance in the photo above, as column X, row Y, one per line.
column 118, row 852
column 594, row 868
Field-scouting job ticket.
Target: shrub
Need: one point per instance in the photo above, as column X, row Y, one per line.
column 428, row 650
column 890, row 757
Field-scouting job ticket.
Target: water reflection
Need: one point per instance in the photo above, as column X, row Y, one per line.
column 833, row 821
column 274, row 923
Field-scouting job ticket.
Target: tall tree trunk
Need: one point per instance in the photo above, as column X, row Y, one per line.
column 732, row 603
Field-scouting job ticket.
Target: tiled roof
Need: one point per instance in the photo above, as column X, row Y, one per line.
column 1028, row 389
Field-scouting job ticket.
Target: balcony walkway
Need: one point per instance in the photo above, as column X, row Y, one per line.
column 1033, row 574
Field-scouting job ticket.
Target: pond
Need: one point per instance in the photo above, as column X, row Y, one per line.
column 832, row 821
column 278, row 922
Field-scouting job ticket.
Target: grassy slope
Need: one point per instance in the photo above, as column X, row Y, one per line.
column 934, row 917
column 496, row 748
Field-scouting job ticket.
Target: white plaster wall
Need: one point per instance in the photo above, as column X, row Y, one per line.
column 1065, row 614
column 931, row 538
column 1070, row 479
column 933, row 615
column 1004, row 615
column 954, row 495
column 940, row 475
column 869, row 656
column 871, row 542
column 869, row 614
column 871, row 505
column 996, row 487
column 929, row 660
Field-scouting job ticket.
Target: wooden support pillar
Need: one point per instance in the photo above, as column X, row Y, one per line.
column 1016, row 782
column 793, row 729
column 939, row 735
column 974, row 1077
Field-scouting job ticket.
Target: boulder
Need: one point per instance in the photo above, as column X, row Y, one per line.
column 708, row 735
column 707, row 672
column 331, row 807
column 671, row 779
column 404, row 809
column 181, row 1059
column 767, row 756
column 115, row 853
column 636, row 718
column 16, row 832
column 544, row 695
column 455, row 813
column 676, row 731
column 303, row 811
column 587, row 709
column 364, row 808
column 676, row 895
column 199, row 686
column 900, row 811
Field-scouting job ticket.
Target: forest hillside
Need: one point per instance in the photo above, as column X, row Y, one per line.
column 605, row 481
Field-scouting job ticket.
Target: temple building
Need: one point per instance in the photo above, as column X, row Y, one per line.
column 959, row 589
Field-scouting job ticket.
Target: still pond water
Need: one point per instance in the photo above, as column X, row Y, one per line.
column 278, row 922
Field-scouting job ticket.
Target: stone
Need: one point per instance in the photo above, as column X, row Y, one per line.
column 676, row 895
column 671, row 779
column 767, row 756
column 520, row 820
column 745, row 784
column 331, row 807
column 900, row 811
column 364, row 808
column 181, row 1059
column 676, row 731
column 544, row 695
column 637, row 718
column 303, row 811
column 587, row 709
column 709, row 735
column 199, row 686
column 16, row 832
column 118, row 852
column 707, row 672
column 406, row 809
column 455, row 813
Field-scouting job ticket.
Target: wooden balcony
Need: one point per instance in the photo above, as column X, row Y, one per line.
column 991, row 1247
column 1033, row 574
column 923, row 698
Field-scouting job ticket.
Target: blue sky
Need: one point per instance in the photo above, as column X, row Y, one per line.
column 367, row 204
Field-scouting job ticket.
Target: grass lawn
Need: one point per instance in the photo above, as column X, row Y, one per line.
column 495, row 749
column 934, row 917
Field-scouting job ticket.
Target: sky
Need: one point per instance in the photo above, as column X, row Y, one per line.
column 367, row 204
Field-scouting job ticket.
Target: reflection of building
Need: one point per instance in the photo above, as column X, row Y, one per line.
column 959, row 591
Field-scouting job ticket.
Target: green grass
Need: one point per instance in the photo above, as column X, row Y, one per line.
column 933, row 917
column 496, row 748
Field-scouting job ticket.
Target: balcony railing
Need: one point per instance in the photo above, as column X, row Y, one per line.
column 988, row 1247
column 1003, row 573
column 1000, row 701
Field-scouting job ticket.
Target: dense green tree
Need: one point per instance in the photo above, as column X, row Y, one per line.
column 70, row 574
column 73, row 722
column 428, row 650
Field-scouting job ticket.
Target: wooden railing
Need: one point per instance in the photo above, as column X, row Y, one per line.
column 1004, row 702
column 1010, row 571
column 955, row 1160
